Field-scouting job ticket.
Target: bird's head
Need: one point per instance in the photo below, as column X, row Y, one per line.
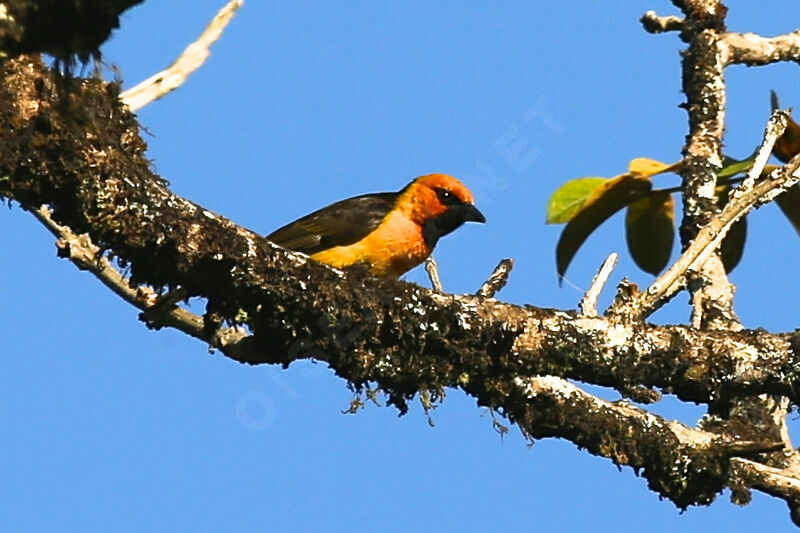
column 440, row 204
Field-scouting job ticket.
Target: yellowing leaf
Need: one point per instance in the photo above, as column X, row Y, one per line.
column 642, row 167
column 650, row 231
column 788, row 145
column 789, row 202
column 604, row 201
column 568, row 198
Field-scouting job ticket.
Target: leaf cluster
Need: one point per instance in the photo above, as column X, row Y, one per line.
column 583, row 204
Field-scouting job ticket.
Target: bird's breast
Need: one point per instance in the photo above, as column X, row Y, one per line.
column 393, row 248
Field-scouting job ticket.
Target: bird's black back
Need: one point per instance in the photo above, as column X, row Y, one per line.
column 339, row 224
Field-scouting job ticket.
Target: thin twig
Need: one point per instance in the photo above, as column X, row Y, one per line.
column 696, row 320
column 589, row 302
column 743, row 198
column 433, row 273
column 653, row 23
column 776, row 125
column 171, row 298
column 746, row 447
column 773, row 481
column 497, row 280
column 190, row 60
column 84, row 254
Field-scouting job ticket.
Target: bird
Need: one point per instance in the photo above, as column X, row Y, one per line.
column 389, row 232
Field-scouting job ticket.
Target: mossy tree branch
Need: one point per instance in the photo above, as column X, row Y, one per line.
column 399, row 336
column 71, row 145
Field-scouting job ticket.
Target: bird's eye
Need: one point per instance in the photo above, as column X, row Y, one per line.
column 446, row 197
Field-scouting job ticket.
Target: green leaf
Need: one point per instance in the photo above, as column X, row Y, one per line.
column 731, row 166
column 789, row 202
column 611, row 196
column 572, row 195
column 650, row 231
column 568, row 198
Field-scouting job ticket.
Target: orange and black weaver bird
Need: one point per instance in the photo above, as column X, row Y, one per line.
column 391, row 232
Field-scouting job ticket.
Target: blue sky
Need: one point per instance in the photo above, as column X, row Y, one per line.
column 109, row 426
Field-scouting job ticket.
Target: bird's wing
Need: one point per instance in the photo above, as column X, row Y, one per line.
column 339, row 224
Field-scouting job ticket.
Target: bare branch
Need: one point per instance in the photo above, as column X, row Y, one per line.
column 497, row 280
column 190, row 60
column 704, row 87
column 158, row 311
column 776, row 125
column 589, row 302
column 171, row 298
column 754, row 50
column 781, row 483
column 653, row 23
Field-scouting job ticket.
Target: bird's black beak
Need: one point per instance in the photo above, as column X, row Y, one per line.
column 451, row 219
column 470, row 213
